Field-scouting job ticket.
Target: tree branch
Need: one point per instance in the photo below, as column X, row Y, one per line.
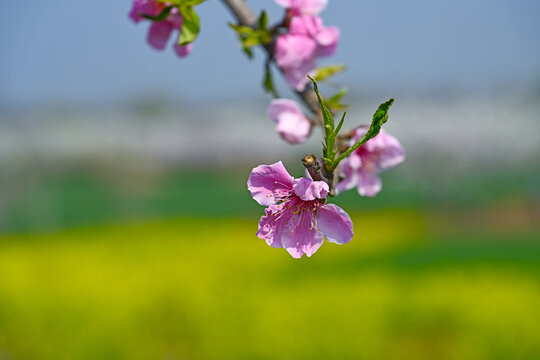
column 246, row 17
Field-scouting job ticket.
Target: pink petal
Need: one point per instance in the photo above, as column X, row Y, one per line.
column 291, row 51
column 308, row 190
column 134, row 15
column 271, row 227
column 267, row 182
column 303, row 239
column 305, row 25
column 391, row 153
column 383, row 150
column 327, row 35
column 175, row 18
column 335, row 224
column 350, row 174
column 327, row 40
column 182, row 51
column 369, row 182
column 159, row 34
column 292, row 125
column 297, row 77
column 312, row 7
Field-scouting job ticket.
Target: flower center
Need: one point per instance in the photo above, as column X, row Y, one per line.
column 297, row 211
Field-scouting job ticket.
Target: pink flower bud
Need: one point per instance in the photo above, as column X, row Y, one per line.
column 292, row 125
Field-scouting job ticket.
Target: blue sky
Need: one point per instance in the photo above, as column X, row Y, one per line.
column 89, row 51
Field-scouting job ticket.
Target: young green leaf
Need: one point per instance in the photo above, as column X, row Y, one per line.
column 268, row 82
column 247, row 51
column 190, row 25
column 379, row 118
column 160, row 17
column 335, row 103
column 329, row 136
column 338, row 128
column 327, row 115
column 262, row 23
column 190, row 2
column 327, row 71
column 250, row 37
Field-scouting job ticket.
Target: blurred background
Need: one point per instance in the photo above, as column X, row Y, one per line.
column 127, row 231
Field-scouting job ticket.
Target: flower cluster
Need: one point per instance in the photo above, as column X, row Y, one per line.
column 297, row 217
column 160, row 30
column 307, row 39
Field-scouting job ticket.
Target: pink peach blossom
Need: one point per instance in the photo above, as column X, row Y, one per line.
column 361, row 169
column 160, row 31
column 297, row 217
column 290, row 121
column 296, row 51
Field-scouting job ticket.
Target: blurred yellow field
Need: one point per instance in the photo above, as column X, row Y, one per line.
column 209, row 289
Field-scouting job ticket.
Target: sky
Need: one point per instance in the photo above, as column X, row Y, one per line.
column 89, row 51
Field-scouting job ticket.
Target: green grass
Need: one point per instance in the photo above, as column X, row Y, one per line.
column 209, row 289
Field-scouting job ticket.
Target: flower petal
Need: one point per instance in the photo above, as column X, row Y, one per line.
column 303, row 239
column 369, row 182
column 308, row 190
column 391, row 152
column 327, row 36
column 159, row 34
column 292, row 125
column 182, row 51
column 335, row 224
column 350, row 175
column 297, row 77
column 312, row 7
column 267, row 183
column 306, row 26
column 271, row 227
column 291, row 51
column 327, row 39
column 280, row 106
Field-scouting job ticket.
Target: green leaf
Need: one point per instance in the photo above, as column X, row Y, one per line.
column 240, row 29
column 338, row 129
column 251, row 40
column 160, row 17
column 329, row 136
column 325, row 72
column 190, row 25
column 335, row 101
column 379, row 118
column 262, row 23
column 327, row 115
column 250, row 37
column 268, row 82
column 248, row 52
column 191, row 2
